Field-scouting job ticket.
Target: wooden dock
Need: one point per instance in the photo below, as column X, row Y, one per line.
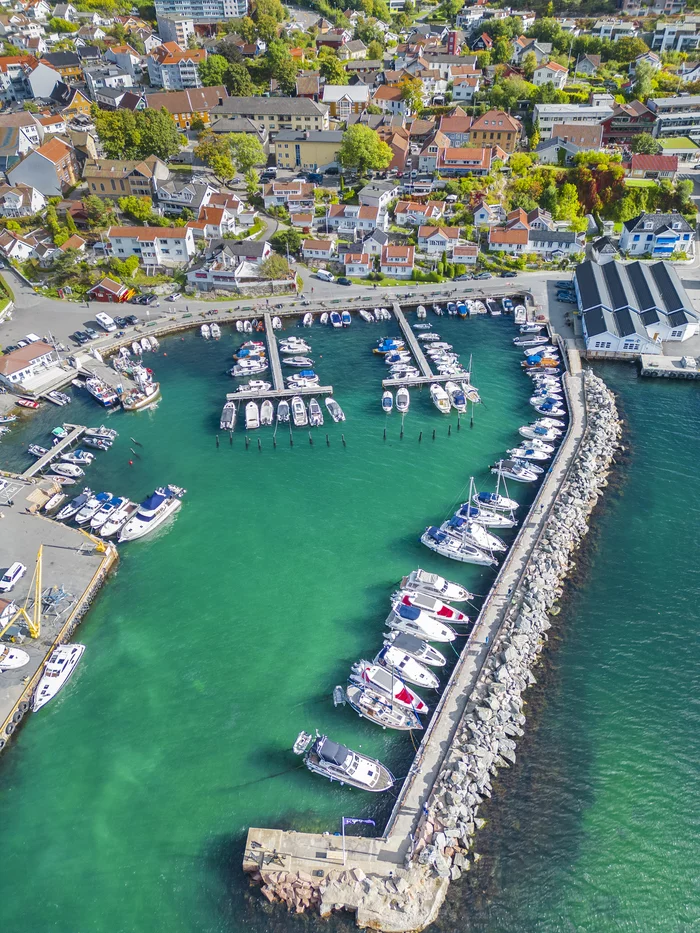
column 279, row 393
column 416, row 349
column 75, row 432
column 273, row 353
column 417, row 381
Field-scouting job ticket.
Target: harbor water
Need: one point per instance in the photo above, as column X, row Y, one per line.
column 126, row 801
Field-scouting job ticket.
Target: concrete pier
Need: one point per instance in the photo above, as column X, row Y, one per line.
column 273, row 354
column 75, row 432
column 669, row 367
column 416, row 348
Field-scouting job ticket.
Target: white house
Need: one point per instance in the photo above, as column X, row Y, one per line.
column 437, row 240
column 155, row 246
column 547, row 115
column 465, row 87
column 20, row 201
column 488, row 215
column 348, row 218
column 359, row 264
column 397, row 261
column 551, row 72
column 317, row 249
column 378, row 194
column 658, row 235
column 413, row 214
column 20, row 366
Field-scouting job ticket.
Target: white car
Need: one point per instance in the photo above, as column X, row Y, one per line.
column 13, row 574
column 174, row 297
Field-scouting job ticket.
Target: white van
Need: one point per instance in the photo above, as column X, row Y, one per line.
column 14, row 573
column 104, row 320
column 325, row 276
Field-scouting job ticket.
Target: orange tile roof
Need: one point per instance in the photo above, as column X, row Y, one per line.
column 148, row 233
column 387, row 93
column 323, row 245
column 398, row 255
column 452, row 233
column 355, row 258
column 501, row 235
column 170, row 53
column 54, row 150
column 496, row 120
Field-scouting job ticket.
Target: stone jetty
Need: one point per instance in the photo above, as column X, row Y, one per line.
column 398, row 888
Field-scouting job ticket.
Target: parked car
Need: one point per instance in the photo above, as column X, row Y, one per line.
column 174, row 297
column 332, row 171
column 464, row 278
column 343, row 281
column 79, row 336
column 483, row 275
column 120, row 321
column 14, row 573
column 316, row 178
column 509, row 275
column 12, row 347
column 91, row 333
column 151, row 299
column 131, row 319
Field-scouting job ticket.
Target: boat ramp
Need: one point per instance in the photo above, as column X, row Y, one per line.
column 75, row 432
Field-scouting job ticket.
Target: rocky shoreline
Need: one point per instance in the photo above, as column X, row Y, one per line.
column 485, row 741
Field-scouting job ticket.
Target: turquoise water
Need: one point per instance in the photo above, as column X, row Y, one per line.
column 125, row 802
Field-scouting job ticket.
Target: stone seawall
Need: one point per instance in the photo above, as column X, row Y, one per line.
column 406, row 894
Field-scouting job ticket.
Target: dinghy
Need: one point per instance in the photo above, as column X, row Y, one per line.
column 435, row 585
column 336, row 320
column 387, row 684
column 252, row 416
column 421, row 313
column 276, row 323
column 308, row 319
column 204, row 330
column 378, row 709
column 324, row 318
column 346, row 319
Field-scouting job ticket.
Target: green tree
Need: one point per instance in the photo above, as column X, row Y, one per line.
column 627, row 48
column 212, row 72
column 238, row 82
column 252, row 183
column 246, row 151
column 140, row 208
column 215, row 152
column 568, row 206
column 333, row 71
column 535, row 135
column 502, row 51
column 412, row 93
column 30, row 106
column 271, row 8
column 57, row 24
column 197, row 125
column 684, row 190
column 275, row 267
column 137, row 134
column 529, row 63
column 266, row 28
column 362, row 149
column 288, row 239
column 643, row 81
column 97, row 210
column 375, row 51
column 645, row 144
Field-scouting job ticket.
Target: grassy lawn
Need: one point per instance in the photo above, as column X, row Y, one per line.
column 640, row 183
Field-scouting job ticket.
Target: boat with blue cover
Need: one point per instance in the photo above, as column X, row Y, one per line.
column 346, row 319
column 486, row 517
column 153, row 511
column 388, row 345
column 413, row 621
column 336, row 320
column 453, row 547
column 462, row 309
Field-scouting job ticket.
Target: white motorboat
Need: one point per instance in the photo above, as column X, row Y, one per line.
column 249, row 369
column 136, row 348
column 435, row 585
column 545, row 395
column 529, row 465
column 514, row 471
column 119, row 517
column 205, row 331
column 531, row 328
column 315, row 414
column 247, row 327
column 346, row 318
column 403, row 400
column 239, row 326
column 416, row 647
column 324, row 318
column 36, row 450
column 437, row 309
column 294, row 344
column 89, row 508
column 267, row 412
column 398, row 356
column 421, row 313
column 53, row 503
column 303, row 382
column 255, row 385
column 430, row 604
column 12, row 658
column 440, row 398
column 252, row 416
column 308, row 319
column 251, row 364
column 489, row 518
column 228, row 416
column 276, row 323
column 75, row 505
column 102, row 392
column 387, row 402
column 68, row 469
column 552, row 423
column 366, row 316
column 528, row 453
column 457, row 396
column 58, row 398
column 339, row 763
column 283, row 412
column 302, row 362
column 543, row 350
column 494, row 501
column 102, row 432
column 378, row 709
column 536, row 340
column 429, row 338
column 538, row 432
column 415, row 622
column 214, row 330
column 334, row 410
column 299, row 414
column 388, row 684
column 455, row 548
column 406, row 667
column 473, row 532
column 145, row 344
column 152, row 512
column 81, row 457
column 57, row 670
column 102, row 514
column 551, row 408
column 403, row 372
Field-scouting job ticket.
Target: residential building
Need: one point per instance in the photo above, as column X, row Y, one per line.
column 648, row 58
column 397, row 261
column 465, row 87
column 352, row 51
column 375, row 242
column 277, row 113
column 466, row 253
column 176, row 194
column 587, row 65
column 228, row 264
column 378, row 194
column 318, row 249
column 438, row 240
column 344, row 99
column 189, row 104
column 210, row 11
column 632, row 308
column 482, row 43
column 548, row 115
column 456, row 127
column 52, row 169
column 653, row 166
column 177, row 29
column 359, row 264
column 428, row 156
column 390, row 100
column 154, row 246
column 174, row 68
column 67, row 64
column 333, row 38
column 308, row 86
column 21, row 366
column 626, row 121
column 495, row 128
column 106, row 77
column 357, row 219
column 657, row 235
column 462, row 161
column 29, row 130
column 52, row 126
column 118, row 178
column 413, row 214
column 550, row 73
column 14, row 246
column 295, row 194
column 488, row 214
column 534, row 233
column 604, row 250
column 20, row 201
column 126, row 58
column 70, row 101
column 613, row 29
column 675, row 37
column 684, row 149
column 567, row 140
column 109, row 290
column 554, row 244
column 676, row 116
column 523, row 45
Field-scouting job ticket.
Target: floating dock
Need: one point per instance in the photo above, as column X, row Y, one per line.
column 669, row 367
column 416, row 348
column 75, row 432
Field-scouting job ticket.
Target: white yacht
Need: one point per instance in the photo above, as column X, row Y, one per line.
column 119, row 517
column 414, row 622
column 299, row 414
column 388, row 684
column 153, row 511
column 11, row 658
column 430, row 604
column 91, row 507
column 455, row 548
column 406, row 667
column 59, row 667
column 338, row 763
column 416, row 647
column 334, row 409
column 228, row 417
column 435, row 585
column 440, row 398
column 252, row 416
column 377, row 709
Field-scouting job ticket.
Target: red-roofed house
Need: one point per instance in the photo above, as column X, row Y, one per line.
column 465, row 87
column 174, row 68
column 551, row 72
column 346, row 218
column 436, row 240
column 410, row 213
column 357, row 263
column 653, row 166
column 464, row 161
column 109, row 290
column 397, row 261
column 466, row 253
column 317, row 249
column 482, row 43
column 506, row 240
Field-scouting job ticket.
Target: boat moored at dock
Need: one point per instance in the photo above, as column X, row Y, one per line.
column 60, row 666
column 435, row 585
column 339, row 763
column 377, row 709
column 153, row 511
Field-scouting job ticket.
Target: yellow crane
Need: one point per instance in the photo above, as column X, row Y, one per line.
column 33, row 621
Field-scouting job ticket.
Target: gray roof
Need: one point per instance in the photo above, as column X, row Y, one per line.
column 61, row 59
column 604, row 244
column 558, row 142
column 234, row 125
column 552, row 236
column 377, row 188
column 639, row 286
column 379, row 236
column 261, row 106
column 116, row 93
column 659, row 221
column 599, row 321
column 312, row 136
column 236, row 247
column 373, row 64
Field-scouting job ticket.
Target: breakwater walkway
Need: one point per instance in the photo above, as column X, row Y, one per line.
column 397, row 882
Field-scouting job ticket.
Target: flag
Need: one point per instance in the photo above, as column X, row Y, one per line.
column 348, row 820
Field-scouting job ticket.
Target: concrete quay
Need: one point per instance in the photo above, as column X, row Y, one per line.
column 71, row 564
column 668, row 367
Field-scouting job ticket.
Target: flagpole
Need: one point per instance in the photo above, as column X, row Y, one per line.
column 343, row 841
